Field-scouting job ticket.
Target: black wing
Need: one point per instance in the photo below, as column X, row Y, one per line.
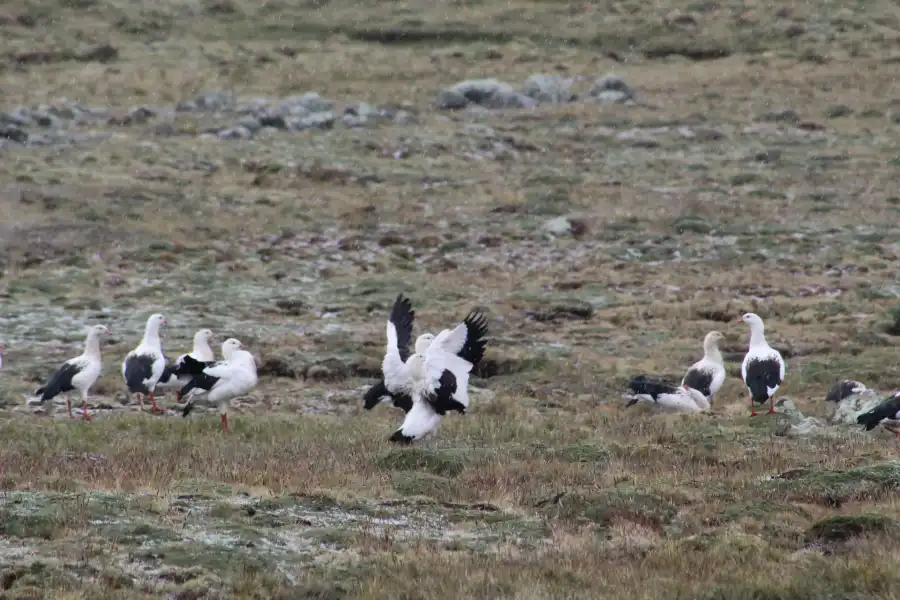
column 886, row 410
column 699, row 379
column 138, row 368
column 476, row 332
column 199, row 380
column 169, row 373
column 643, row 384
column 59, row 383
column 379, row 391
column 761, row 375
column 841, row 389
column 191, row 366
column 402, row 316
column 441, row 400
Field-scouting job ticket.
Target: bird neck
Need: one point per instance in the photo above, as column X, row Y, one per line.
column 757, row 336
column 711, row 352
column 92, row 346
column 151, row 337
column 201, row 348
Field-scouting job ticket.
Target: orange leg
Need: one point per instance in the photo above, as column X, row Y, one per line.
column 224, row 422
column 84, row 414
column 69, row 406
column 753, row 412
column 771, row 405
column 154, row 408
column 140, row 401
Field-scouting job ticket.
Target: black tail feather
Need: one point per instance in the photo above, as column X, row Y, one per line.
column 374, row 395
column 644, row 384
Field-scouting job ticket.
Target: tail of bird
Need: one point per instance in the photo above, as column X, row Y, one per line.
column 372, row 397
column 643, row 384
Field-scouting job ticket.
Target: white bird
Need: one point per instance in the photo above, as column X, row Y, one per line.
column 144, row 365
column 76, row 374
column 707, row 374
column 762, row 368
column 223, row 381
column 175, row 376
column 435, row 378
column 679, row 399
column 402, row 316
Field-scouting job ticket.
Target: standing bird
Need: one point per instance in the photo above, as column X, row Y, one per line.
column 76, row 374
column 175, row 376
column 887, row 413
column 763, row 368
column 144, row 365
column 435, row 378
column 401, row 318
column 222, row 381
column 707, row 374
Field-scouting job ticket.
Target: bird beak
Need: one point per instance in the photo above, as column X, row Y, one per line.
column 739, row 319
column 107, row 331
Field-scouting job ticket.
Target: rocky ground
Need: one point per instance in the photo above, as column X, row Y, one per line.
column 608, row 182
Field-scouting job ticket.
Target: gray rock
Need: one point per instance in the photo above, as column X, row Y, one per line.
column 272, row 119
column 558, row 227
column 235, row 133
column 251, row 123
column 854, row 405
column 358, row 115
column 611, row 97
column 301, row 105
column 20, row 116
column 787, row 407
column 611, row 89
column 804, row 428
column 319, row 120
column 546, row 88
column 139, row 114
column 488, row 93
column 213, row 101
column 13, row 133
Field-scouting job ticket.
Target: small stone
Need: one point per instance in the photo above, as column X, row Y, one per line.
column 487, row 93
column 557, row 227
column 214, row 101
column 13, row 133
column 547, row 89
column 139, row 115
column 782, row 115
column 235, row 133
column 611, row 83
column 250, row 123
column 320, row 120
column 611, row 97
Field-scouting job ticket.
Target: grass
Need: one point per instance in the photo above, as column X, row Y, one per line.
column 757, row 171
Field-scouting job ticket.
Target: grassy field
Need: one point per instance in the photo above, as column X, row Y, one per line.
column 756, row 170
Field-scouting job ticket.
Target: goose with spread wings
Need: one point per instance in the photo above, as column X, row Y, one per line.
column 434, row 379
column 401, row 319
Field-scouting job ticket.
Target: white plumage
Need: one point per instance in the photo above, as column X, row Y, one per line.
column 144, row 365
column 225, row 380
column 435, row 378
column 762, row 368
column 680, row 399
column 76, row 374
column 707, row 374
